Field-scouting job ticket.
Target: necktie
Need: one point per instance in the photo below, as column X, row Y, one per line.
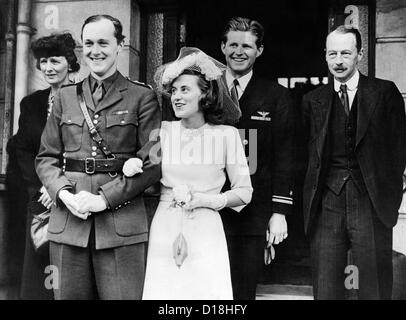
column 234, row 92
column 344, row 98
column 98, row 93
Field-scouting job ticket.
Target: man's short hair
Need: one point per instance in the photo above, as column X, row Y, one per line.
column 345, row 30
column 245, row 24
column 118, row 27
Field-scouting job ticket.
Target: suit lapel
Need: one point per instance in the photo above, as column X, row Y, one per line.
column 322, row 106
column 367, row 100
column 249, row 101
column 114, row 94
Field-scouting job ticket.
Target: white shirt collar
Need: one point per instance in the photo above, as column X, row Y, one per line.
column 352, row 83
column 243, row 81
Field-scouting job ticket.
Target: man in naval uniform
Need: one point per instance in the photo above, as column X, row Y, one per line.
column 267, row 124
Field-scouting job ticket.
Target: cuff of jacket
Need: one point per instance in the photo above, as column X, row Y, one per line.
column 113, row 198
column 58, row 201
column 57, row 185
column 282, row 208
column 105, row 200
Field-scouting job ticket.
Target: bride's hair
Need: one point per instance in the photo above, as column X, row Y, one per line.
column 212, row 108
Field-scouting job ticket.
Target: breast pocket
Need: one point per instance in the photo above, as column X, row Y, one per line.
column 121, row 132
column 72, row 131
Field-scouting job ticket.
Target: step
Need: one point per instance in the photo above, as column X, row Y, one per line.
column 284, row 292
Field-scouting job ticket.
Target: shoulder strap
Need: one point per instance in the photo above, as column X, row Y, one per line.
column 94, row 134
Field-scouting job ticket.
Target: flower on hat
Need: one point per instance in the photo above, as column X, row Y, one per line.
column 197, row 61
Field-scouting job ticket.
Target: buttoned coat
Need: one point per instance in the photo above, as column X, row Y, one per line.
column 31, row 123
column 267, row 130
column 128, row 118
column 380, row 146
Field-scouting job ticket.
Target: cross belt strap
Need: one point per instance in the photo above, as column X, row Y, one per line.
column 94, row 134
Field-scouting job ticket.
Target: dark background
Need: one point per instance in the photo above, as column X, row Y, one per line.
column 294, row 41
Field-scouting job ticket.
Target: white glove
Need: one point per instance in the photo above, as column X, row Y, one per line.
column 182, row 194
column 203, row 200
column 132, row 166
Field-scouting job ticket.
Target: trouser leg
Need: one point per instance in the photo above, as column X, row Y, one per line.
column 73, row 275
column 246, row 254
column 120, row 272
column 371, row 245
column 328, row 248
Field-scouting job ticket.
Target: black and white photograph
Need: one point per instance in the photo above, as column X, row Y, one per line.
column 224, row 152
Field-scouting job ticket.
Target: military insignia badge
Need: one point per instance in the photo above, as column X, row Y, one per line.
column 263, row 116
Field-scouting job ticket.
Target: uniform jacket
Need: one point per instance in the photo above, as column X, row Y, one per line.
column 31, row 123
column 267, row 129
column 128, row 118
column 380, row 146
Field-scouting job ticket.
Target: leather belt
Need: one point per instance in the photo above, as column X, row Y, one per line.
column 92, row 165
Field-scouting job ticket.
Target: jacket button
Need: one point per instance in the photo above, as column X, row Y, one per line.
column 95, row 121
column 94, row 148
column 96, row 116
column 122, row 121
column 94, row 154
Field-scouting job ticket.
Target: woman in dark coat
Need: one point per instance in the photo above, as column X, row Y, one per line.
column 56, row 59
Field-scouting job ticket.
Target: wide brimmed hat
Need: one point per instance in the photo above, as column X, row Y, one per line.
column 194, row 59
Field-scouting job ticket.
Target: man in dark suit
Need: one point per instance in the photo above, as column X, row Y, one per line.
column 353, row 184
column 267, row 130
column 98, row 227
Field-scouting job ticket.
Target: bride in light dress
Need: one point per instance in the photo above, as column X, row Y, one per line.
column 187, row 254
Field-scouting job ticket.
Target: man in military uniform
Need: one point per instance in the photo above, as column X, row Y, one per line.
column 98, row 227
column 268, row 122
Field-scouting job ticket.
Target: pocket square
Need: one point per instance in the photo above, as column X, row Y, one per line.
column 262, row 116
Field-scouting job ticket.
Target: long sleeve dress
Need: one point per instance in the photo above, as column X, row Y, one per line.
column 201, row 159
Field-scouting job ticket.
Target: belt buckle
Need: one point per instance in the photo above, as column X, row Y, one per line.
column 90, row 162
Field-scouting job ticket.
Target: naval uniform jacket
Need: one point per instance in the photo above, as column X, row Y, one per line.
column 267, row 130
column 128, row 118
column 380, row 146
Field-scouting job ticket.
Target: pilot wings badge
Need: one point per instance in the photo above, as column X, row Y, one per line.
column 263, row 116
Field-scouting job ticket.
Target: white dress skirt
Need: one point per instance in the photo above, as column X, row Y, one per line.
column 200, row 159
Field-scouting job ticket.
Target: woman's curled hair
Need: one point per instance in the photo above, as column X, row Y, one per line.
column 210, row 101
column 56, row 45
